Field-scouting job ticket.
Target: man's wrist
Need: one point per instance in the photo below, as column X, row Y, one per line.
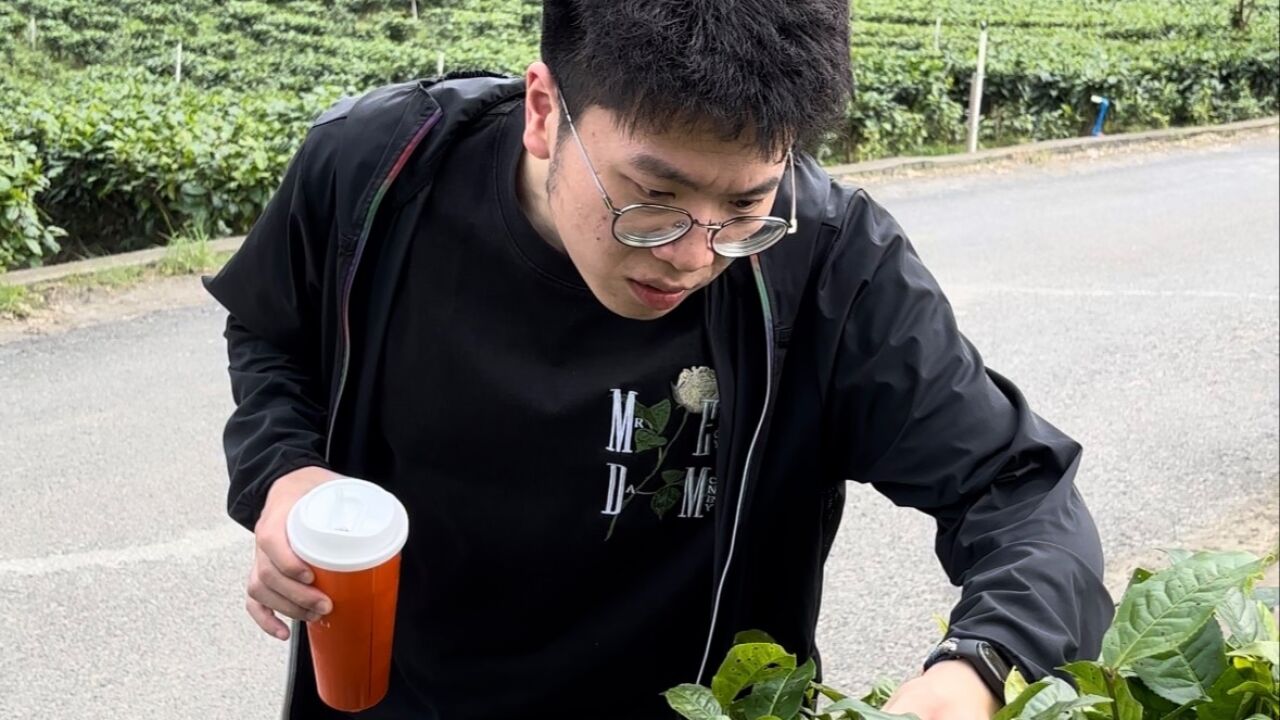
column 990, row 664
column 958, row 673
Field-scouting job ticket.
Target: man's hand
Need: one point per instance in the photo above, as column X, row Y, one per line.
column 280, row 582
column 949, row 690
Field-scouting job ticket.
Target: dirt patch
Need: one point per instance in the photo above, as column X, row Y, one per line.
column 66, row 306
column 1253, row 526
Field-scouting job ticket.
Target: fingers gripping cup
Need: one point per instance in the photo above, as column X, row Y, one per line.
column 351, row 533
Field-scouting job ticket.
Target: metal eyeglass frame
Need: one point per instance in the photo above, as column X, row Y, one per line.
column 791, row 227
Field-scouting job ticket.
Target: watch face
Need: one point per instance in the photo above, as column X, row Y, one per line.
column 993, row 659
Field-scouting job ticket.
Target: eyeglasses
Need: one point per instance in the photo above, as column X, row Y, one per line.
column 647, row 225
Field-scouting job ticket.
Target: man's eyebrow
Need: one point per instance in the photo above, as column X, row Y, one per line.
column 660, row 168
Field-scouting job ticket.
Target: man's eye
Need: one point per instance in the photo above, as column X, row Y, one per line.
column 654, row 194
column 745, row 205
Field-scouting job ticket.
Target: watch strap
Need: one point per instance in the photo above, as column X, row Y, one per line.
column 990, row 664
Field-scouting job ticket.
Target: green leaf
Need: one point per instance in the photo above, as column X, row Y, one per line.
column 1184, row 674
column 1240, row 615
column 647, row 440
column 644, row 413
column 829, row 692
column 665, row 499
column 1252, row 686
column 1269, row 596
column 781, row 694
column 1014, row 685
column 741, row 666
column 1127, row 706
column 851, row 708
column 1012, row 709
column 1221, row 705
column 880, row 694
column 1139, row 576
column 1153, row 705
column 943, row 625
column 1167, row 609
column 1066, row 707
column 752, row 636
column 1177, row 555
column 1268, row 650
column 694, row 702
column 660, row 414
column 672, row 477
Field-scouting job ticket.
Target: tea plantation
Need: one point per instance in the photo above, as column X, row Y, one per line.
column 102, row 149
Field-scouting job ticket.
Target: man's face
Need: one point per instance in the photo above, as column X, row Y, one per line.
column 712, row 179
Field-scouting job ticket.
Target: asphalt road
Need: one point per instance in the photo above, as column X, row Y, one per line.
column 1133, row 299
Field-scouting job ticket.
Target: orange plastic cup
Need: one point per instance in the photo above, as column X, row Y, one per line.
column 351, row 533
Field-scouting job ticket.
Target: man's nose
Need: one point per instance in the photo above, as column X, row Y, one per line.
column 690, row 253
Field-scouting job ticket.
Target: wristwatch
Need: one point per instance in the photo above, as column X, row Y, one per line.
column 991, row 665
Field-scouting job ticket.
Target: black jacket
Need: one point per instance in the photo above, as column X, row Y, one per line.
column 837, row 355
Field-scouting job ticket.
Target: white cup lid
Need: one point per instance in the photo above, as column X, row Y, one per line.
column 347, row 525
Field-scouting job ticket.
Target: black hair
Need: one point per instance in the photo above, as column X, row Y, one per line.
column 778, row 69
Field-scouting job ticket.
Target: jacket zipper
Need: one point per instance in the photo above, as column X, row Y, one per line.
column 767, row 311
column 345, row 305
column 344, row 315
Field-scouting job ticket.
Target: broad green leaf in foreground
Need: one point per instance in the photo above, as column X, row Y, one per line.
column 849, row 708
column 694, row 702
column 1184, row 674
column 880, row 694
column 742, row 667
column 1091, row 679
column 781, row 695
column 1268, row 650
column 1240, row 614
column 1221, row 705
column 1165, row 611
column 1048, row 699
column 751, row 636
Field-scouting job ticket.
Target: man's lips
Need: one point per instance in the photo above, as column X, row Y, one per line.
column 655, row 297
column 664, row 287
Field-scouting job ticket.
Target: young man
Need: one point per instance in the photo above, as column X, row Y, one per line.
column 617, row 343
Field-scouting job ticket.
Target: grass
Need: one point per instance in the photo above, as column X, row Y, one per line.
column 189, row 254
column 17, row 301
column 186, row 255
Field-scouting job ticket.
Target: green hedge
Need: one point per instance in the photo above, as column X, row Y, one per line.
column 124, row 159
column 24, row 234
column 117, row 155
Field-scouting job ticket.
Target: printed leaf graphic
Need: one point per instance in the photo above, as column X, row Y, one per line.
column 647, row 440
column 645, row 414
column 659, row 415
column 672, row 477
column 665, row 499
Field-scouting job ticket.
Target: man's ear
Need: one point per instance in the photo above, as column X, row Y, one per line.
column 541, row 111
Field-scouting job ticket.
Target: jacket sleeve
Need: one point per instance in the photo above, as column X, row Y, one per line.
column 273, row 289
column 918, row 416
